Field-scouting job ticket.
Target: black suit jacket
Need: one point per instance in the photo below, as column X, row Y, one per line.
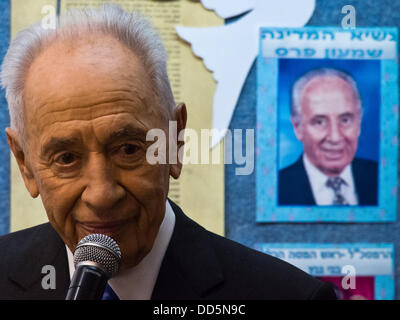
column 197, row 265
column 295, row 189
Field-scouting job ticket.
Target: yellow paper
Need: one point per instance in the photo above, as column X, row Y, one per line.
column 202, row 193
column 26, row 211
column 26, row 12
column 200, row 189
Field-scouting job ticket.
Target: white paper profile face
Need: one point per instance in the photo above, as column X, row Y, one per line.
column 229, row 8
column 229, row 51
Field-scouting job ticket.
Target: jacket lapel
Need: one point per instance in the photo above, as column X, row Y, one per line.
column 44, row 248
column 190, row 268
column 303, row 192
column 365, row 175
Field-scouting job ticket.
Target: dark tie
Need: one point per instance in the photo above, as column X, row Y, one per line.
column 109, row 294
column 335, row 184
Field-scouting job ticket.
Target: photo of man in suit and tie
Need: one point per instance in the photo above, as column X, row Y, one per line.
column 326, row 114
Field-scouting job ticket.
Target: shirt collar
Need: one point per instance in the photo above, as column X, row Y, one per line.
column 318, row 179
column 137, row 283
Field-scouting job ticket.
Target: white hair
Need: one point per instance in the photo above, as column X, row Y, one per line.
column 300, row 84
column 131, row 29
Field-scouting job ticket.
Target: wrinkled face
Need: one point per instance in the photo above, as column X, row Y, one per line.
column 329, row 125
column 86, row 122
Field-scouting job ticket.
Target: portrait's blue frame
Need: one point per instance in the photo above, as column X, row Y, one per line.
column 267, row 153
column 384, row 284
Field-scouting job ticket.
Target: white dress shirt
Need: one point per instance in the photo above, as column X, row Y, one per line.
column 138, row 282
column 324, row 195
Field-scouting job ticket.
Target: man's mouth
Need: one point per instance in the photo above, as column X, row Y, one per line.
column 111, row 228
column 333, row 154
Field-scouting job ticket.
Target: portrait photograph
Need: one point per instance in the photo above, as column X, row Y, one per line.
column 327, row 126
column 328, row 132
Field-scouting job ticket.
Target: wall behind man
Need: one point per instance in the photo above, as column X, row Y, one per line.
column 240, row 191
column 4, row 120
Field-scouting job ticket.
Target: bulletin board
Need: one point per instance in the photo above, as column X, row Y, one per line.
column 240, row 191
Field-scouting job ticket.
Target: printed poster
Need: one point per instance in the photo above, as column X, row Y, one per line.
column 327, row 125
column 358, row 271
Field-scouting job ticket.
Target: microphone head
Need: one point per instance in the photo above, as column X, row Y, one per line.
column 99, row 249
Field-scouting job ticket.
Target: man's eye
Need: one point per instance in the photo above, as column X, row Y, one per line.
column 66, row 158
column 128, row 149
column 346, row 120
column 319, row 122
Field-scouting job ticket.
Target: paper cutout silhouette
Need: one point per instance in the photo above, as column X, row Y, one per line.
column 229, row 51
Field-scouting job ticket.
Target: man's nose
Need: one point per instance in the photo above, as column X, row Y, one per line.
column 102, row 191
column 334, row 133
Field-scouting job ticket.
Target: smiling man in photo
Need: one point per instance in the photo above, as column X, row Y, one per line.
column 326, row 113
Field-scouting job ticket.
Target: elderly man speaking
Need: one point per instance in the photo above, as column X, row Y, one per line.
column 81, row 99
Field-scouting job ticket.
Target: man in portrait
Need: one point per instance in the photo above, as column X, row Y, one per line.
column 326, row 114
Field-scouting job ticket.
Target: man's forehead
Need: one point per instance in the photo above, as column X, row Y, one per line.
column 81, row 83
column 329, row 94
column 70, row 69
column 86, row 47
column 327, row 83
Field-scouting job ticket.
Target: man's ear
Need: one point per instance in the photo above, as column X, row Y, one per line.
column 24, row 167
column 298, row 130
column 181, row 118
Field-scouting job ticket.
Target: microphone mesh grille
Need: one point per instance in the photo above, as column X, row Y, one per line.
column 100, row 249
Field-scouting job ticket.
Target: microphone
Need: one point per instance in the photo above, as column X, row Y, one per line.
column 97, row 258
